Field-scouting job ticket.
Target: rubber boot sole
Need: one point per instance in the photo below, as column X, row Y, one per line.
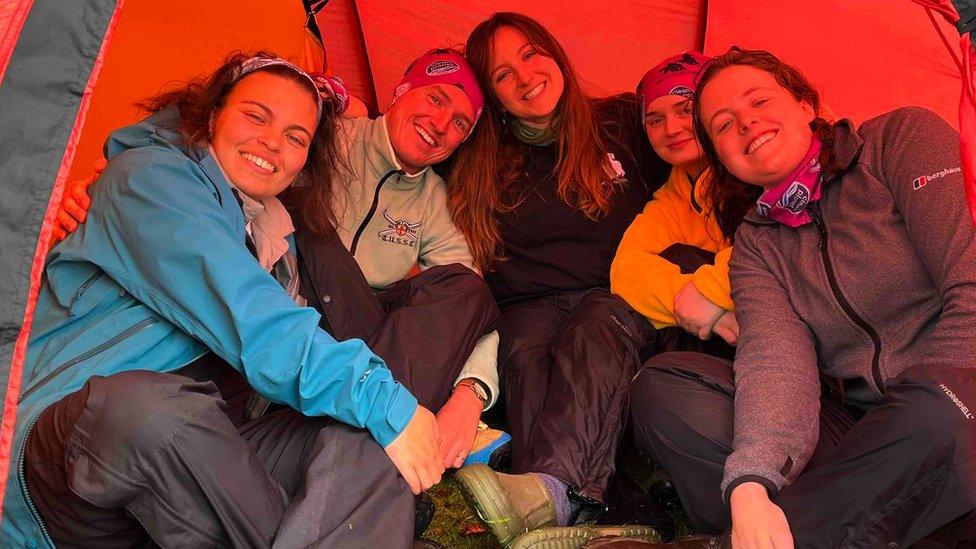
column 574, row 537
column 483, row 492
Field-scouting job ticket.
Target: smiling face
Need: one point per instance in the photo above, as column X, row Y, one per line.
column 760, row 131
column 669, row 127
column 426, row 124
column 526, row 82
column 262, row 134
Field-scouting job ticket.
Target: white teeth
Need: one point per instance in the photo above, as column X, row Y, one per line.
column 760, row 141
column 534, row 92
column 259, row 162
column 426, row 136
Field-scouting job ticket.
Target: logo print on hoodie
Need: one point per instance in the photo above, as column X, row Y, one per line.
column 399, row 231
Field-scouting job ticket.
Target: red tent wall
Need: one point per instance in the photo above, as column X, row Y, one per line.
column 866, row 57
column 346, row 52
column 609, row 44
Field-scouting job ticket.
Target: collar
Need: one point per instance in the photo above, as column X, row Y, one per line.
column 266, row 222
column 381, row 156
column 699, row 185
column 847, row 149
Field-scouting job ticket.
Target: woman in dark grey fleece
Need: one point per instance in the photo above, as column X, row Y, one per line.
column 847, row 419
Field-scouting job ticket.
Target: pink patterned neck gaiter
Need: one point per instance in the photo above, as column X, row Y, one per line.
column 787, row 202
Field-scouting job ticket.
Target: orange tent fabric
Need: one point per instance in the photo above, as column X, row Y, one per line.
column 155, row 46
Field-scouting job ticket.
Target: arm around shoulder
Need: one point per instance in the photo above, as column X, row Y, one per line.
column 163, row 232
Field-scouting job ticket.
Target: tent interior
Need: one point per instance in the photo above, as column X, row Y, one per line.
column 868, row 58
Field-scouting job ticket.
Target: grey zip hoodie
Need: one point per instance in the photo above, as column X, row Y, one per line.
column 884, row 280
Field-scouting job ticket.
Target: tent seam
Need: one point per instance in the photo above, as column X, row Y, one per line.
column 20, row 346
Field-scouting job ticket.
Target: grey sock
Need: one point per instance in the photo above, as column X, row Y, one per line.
column 565, row 509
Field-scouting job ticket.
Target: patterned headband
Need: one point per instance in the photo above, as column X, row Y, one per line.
column 257, row 63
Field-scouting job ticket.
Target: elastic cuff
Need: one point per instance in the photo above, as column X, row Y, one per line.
column 705, row 284
column 392, row 419
column 768, row 484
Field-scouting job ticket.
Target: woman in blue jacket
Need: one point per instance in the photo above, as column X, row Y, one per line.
column 121, row 433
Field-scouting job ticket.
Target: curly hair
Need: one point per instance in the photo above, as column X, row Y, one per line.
column 731, row 197
column 201, row 99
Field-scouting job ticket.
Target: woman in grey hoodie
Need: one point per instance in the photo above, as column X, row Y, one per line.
column 847, row 419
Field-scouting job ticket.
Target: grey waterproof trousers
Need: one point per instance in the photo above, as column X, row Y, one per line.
column 140, row 456
column 885, row 477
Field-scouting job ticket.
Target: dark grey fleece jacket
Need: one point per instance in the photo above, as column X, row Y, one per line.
column 884, row 280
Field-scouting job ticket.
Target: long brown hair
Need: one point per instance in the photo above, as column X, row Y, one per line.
column 731, row 197
column 485, row 175
column 199, row 100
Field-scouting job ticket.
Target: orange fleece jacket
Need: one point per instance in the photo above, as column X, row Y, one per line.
column 647, row 281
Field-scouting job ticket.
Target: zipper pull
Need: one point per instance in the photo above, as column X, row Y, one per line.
column 818, row 221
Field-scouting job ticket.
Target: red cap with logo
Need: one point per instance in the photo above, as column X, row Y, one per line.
column 443, row 67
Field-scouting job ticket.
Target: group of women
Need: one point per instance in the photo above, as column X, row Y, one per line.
column 847, row 288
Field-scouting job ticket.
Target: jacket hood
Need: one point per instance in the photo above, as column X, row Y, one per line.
column 159, row 128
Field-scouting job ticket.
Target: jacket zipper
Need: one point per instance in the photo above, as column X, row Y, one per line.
column 372, row 210
column 842, row 300
column 23, row 485
column 81, row 290
column 694, row 201
column 23, row 450
column 128, row 332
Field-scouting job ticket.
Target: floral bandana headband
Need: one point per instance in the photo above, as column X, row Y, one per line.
column 787, row 202
column 259, row 62
column 332, row 88
column 673, row 76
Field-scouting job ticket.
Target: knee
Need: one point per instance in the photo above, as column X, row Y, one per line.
column 143, row 410
column 940, row 417
column 469, row 284
column 607, row 321
column 463, row 282
column 649, row 385
column 675, row 397
column 654, row 394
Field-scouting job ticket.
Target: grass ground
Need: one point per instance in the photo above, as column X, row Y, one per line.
column 455, row 523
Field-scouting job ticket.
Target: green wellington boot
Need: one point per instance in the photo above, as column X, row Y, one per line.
column 574, row 537
column 519, row 511
column 508, row 505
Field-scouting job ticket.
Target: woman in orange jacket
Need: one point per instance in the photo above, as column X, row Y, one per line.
column 672, row 263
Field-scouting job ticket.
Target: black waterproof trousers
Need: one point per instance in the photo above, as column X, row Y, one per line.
column 886, row 477
column 565, row 362
column 424, row 327
column 143, row 454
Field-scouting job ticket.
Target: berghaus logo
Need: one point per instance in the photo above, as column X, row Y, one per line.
column 924, row 180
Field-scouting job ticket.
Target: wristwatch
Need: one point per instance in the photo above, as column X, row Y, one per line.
column 476, row 386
